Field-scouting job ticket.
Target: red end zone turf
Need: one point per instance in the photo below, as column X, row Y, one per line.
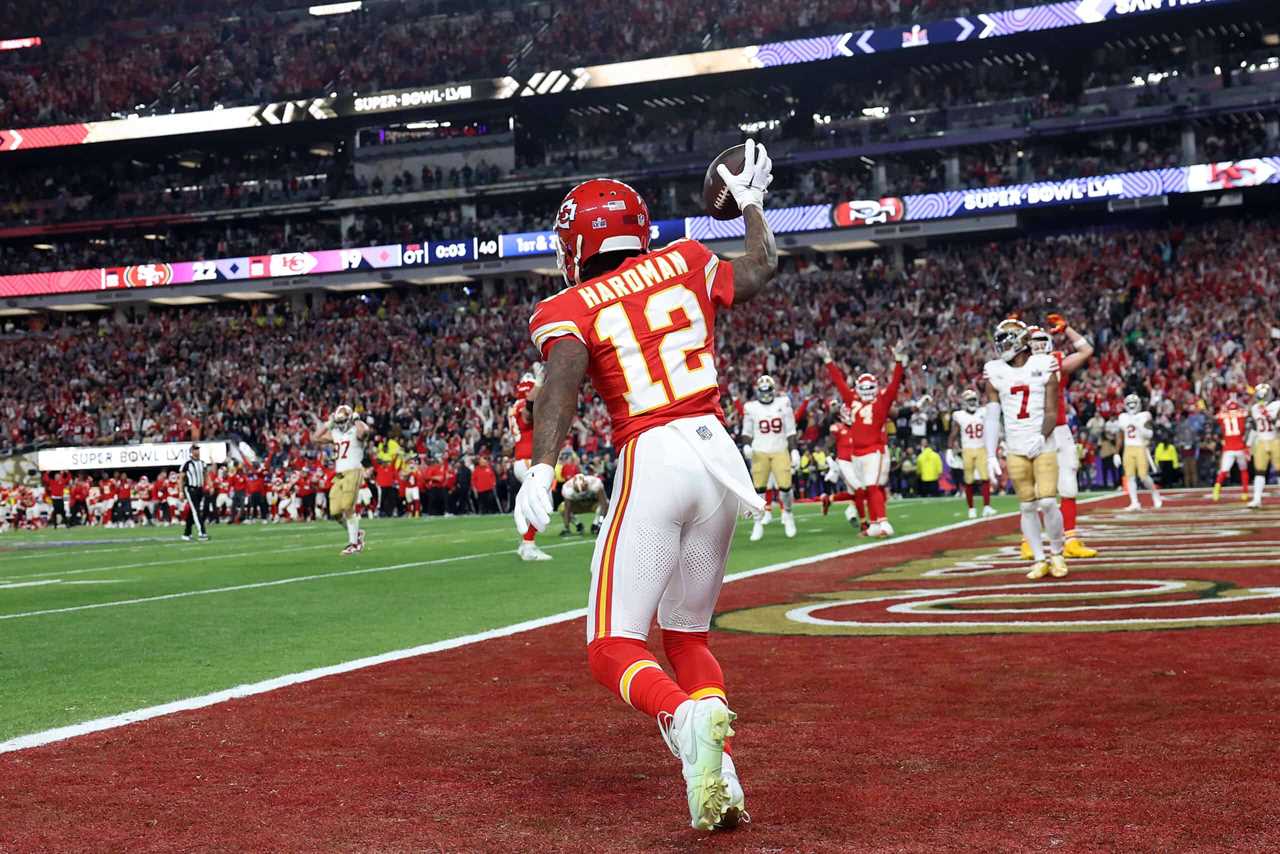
column 854, row 734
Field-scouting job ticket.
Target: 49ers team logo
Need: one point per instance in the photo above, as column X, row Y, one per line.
column 148, row 275
column 1174, row 570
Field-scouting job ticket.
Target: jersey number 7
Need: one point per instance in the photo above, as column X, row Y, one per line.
column 644, row 393
column 1025, row 391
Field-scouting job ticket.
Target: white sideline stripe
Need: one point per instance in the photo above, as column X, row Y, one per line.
column 38, row 739
column 296, row 579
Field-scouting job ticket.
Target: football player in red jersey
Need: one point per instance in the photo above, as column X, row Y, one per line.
column 1231, row 421
column 868, row 406
column 641, row 324
column 520, row 425
column 1041, row 341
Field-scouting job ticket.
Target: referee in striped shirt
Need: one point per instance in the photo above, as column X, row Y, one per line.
column 191, row 484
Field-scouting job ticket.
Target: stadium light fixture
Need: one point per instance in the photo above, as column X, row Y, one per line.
column 249, row 295
column 335, row 8
column 15, row 312
column 79, row 306
column 357, row 286
column 47, row 247
column 188, row 300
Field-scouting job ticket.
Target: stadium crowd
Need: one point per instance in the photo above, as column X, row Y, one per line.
column 1184, row 316
column 224, row 54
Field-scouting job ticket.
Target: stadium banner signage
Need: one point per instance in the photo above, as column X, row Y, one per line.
column 157, row 455
column 863, row 213
column 987, row 25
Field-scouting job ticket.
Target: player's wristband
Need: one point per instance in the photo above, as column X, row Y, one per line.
column 1082, row 343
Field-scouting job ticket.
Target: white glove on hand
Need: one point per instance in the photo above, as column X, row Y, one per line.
column 900, row 353
column 1115, row 460
column 795, row 459
column 1036, row 448
column 749, row 186
column 533, row 503
column 993, row 467
column 747, row 452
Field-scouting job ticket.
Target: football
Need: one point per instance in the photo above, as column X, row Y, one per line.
column 716, row 198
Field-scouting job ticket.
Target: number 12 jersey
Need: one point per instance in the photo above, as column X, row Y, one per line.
column 649, row 329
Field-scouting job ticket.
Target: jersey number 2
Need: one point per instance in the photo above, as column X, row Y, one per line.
column 644, row 393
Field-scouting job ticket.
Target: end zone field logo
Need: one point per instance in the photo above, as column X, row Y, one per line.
column 1087, row 601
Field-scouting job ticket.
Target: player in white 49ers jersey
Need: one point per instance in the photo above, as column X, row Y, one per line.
column 641, row 324
column 769, row 428
column 1022, row 388
column 1136, row 432
column 1264, row 413
column 967, row 428
column 348, row 435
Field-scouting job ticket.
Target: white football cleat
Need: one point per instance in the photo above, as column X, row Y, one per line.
column 788, row 524
column 973, row 513
column 766, row 517
column 530, row 551
column 1133, row 507
column 873, row 530
column 696, row 735
column 737, row 812
column 757, row 530
column 988, row 511
column 1256, row 504
column 886, row 530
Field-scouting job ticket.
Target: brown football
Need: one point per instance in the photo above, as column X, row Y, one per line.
column 716, row 197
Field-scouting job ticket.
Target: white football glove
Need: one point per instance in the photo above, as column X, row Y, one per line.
column 749, row 186
column 1036, row 448
column 533, row 503
column 795, row 459
column 900, row 353
column 1115, row 460
column 993, row 467
column 747, row 452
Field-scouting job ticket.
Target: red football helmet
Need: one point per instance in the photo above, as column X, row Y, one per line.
column 600, row 215
column 866, row 387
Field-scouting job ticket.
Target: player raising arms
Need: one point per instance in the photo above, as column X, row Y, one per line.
column 868, row 408
column 1041, row 341
column 967, row 428
column 769, row 425
column 1264, row 413
column 641, row 324
column 1231, row 421
column 348, row 435
column 520, row 424
column 1136, row 430
column 1023, row 387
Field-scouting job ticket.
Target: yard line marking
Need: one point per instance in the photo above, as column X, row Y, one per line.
column 37, row 739
column 296, row 579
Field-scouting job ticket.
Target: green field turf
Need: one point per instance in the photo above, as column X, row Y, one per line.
column 78, row 642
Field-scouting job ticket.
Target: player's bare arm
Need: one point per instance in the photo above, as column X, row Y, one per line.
column 953, row 438
column 1082, row 352
column 1050, row 407
column 362, row 430
column 754, row 270
column 557, row 402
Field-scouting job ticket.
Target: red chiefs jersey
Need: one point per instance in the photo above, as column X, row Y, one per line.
column 520, row 423
column 649, row 329
column 844, row 440
column 869, row 433
column 1232, row 423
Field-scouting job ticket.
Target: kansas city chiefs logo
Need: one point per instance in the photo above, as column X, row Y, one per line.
column 568, row 211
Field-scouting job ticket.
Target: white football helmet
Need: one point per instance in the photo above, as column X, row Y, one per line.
column 866, row 387
column 1040, row 341
column 342, row 417
column 765, row 389
column 1263, row 393
column 1132, row 404
column 1010, row 338
column 970, row 400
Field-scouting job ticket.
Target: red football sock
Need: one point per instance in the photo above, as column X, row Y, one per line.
column 876, row 496
column 769, row 495
column 968, row 494
column 1244, row 480
column 697, row 670
column 530, row 534
column 860, row 501
column 626, row 667
column 1069, row 514
column 842, row 496
column 986, row 493
column 1221, row 479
